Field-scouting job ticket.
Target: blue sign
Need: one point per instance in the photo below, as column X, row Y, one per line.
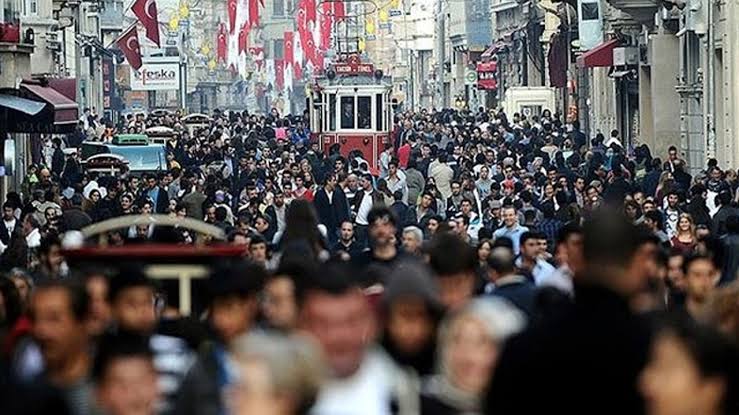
column 477, row 25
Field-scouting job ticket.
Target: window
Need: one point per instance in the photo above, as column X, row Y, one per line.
column 332, row 112
column 378, row 112
column 278, row 8
column 347, row 112
column 589, row 11
column 364, row 113
column 279, row 49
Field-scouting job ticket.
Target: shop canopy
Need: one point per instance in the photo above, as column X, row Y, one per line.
column 36, row 108
column 599, row 56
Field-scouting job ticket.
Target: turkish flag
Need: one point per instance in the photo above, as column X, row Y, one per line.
column 280, row 74
column 339, row 10
column 146, row 11
column 232, row 15
column 128, row 43
column 289, row 48
column 310, row 10
column 253, row 13
column 243, row 37
column 221, row 42
column 327, row 23
column 298, row 59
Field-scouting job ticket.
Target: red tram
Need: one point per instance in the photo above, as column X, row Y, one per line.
column 350, row 107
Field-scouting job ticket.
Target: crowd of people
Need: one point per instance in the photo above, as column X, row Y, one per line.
column 482, row 264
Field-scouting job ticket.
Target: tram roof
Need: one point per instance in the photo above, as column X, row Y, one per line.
column 354, row 81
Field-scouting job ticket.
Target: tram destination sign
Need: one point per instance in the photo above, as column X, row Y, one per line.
column 354, row 68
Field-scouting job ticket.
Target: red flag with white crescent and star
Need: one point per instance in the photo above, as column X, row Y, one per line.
column 146, row 11
column 243, row 37
column 339, row 10
column 232, row 6
column 310, row 10
column 221, row 42
column 254, row 13
column 288, row 44
column 280, row 74
column 128, row 43
column 327, row 24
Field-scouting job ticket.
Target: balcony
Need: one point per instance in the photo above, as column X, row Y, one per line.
column 642, row 11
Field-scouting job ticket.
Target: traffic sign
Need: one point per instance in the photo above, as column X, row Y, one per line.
column 470, row 77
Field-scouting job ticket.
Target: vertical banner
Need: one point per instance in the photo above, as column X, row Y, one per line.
column 590, row 23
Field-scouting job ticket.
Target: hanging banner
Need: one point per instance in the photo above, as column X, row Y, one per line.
column 590, row 24
column 486, row 76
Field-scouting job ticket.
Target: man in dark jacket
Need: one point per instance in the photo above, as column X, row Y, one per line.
column 406, row 216
column 156, row 193
column 57, row 158
column 332, row 207
column 73, row 217
column 697, row 207
column 233, row 307
column 586, row 359
column 724, row 212
column 651, row 180
column 730, row 243
column 508, row 284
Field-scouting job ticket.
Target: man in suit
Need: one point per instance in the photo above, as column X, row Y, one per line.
column 156, row 193
column 10, row 223
column 332, row 207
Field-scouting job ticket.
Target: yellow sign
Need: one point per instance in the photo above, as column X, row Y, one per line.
column 384, row 16
column 174, row 23
column 370, row 27
column 184, row 11
column 362, row 45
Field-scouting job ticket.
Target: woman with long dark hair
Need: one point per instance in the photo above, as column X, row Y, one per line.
column 301, row 225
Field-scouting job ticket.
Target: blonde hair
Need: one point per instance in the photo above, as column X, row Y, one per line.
column 692, row 225
column 295, row 365
column 498, row 317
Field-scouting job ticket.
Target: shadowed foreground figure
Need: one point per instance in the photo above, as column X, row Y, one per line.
column 586, row 360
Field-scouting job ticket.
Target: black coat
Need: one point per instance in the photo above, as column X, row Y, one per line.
column 4, row 235
column 720, row 218
column 161, row 204
column 57, row 161
column 585, row 360
column 699, row 211
column 331, row 213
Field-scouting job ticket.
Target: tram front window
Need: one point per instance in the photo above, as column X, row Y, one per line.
column 364, row 113
column 347, row 113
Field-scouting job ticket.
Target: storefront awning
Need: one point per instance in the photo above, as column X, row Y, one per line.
column 64, row 109
column 25, row 106
column 599, row 56
column 489, row 52
column 36, row 108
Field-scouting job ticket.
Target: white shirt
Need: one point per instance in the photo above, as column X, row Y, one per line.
column 33, row 239
column 542, row 269
column 364, row 209
column 367, row 392
column 10, row 225
column 560, row 278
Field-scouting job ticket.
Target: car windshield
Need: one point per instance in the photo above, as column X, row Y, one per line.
column 148, row 157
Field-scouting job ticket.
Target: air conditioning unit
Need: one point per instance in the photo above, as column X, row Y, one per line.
column 625, row 56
